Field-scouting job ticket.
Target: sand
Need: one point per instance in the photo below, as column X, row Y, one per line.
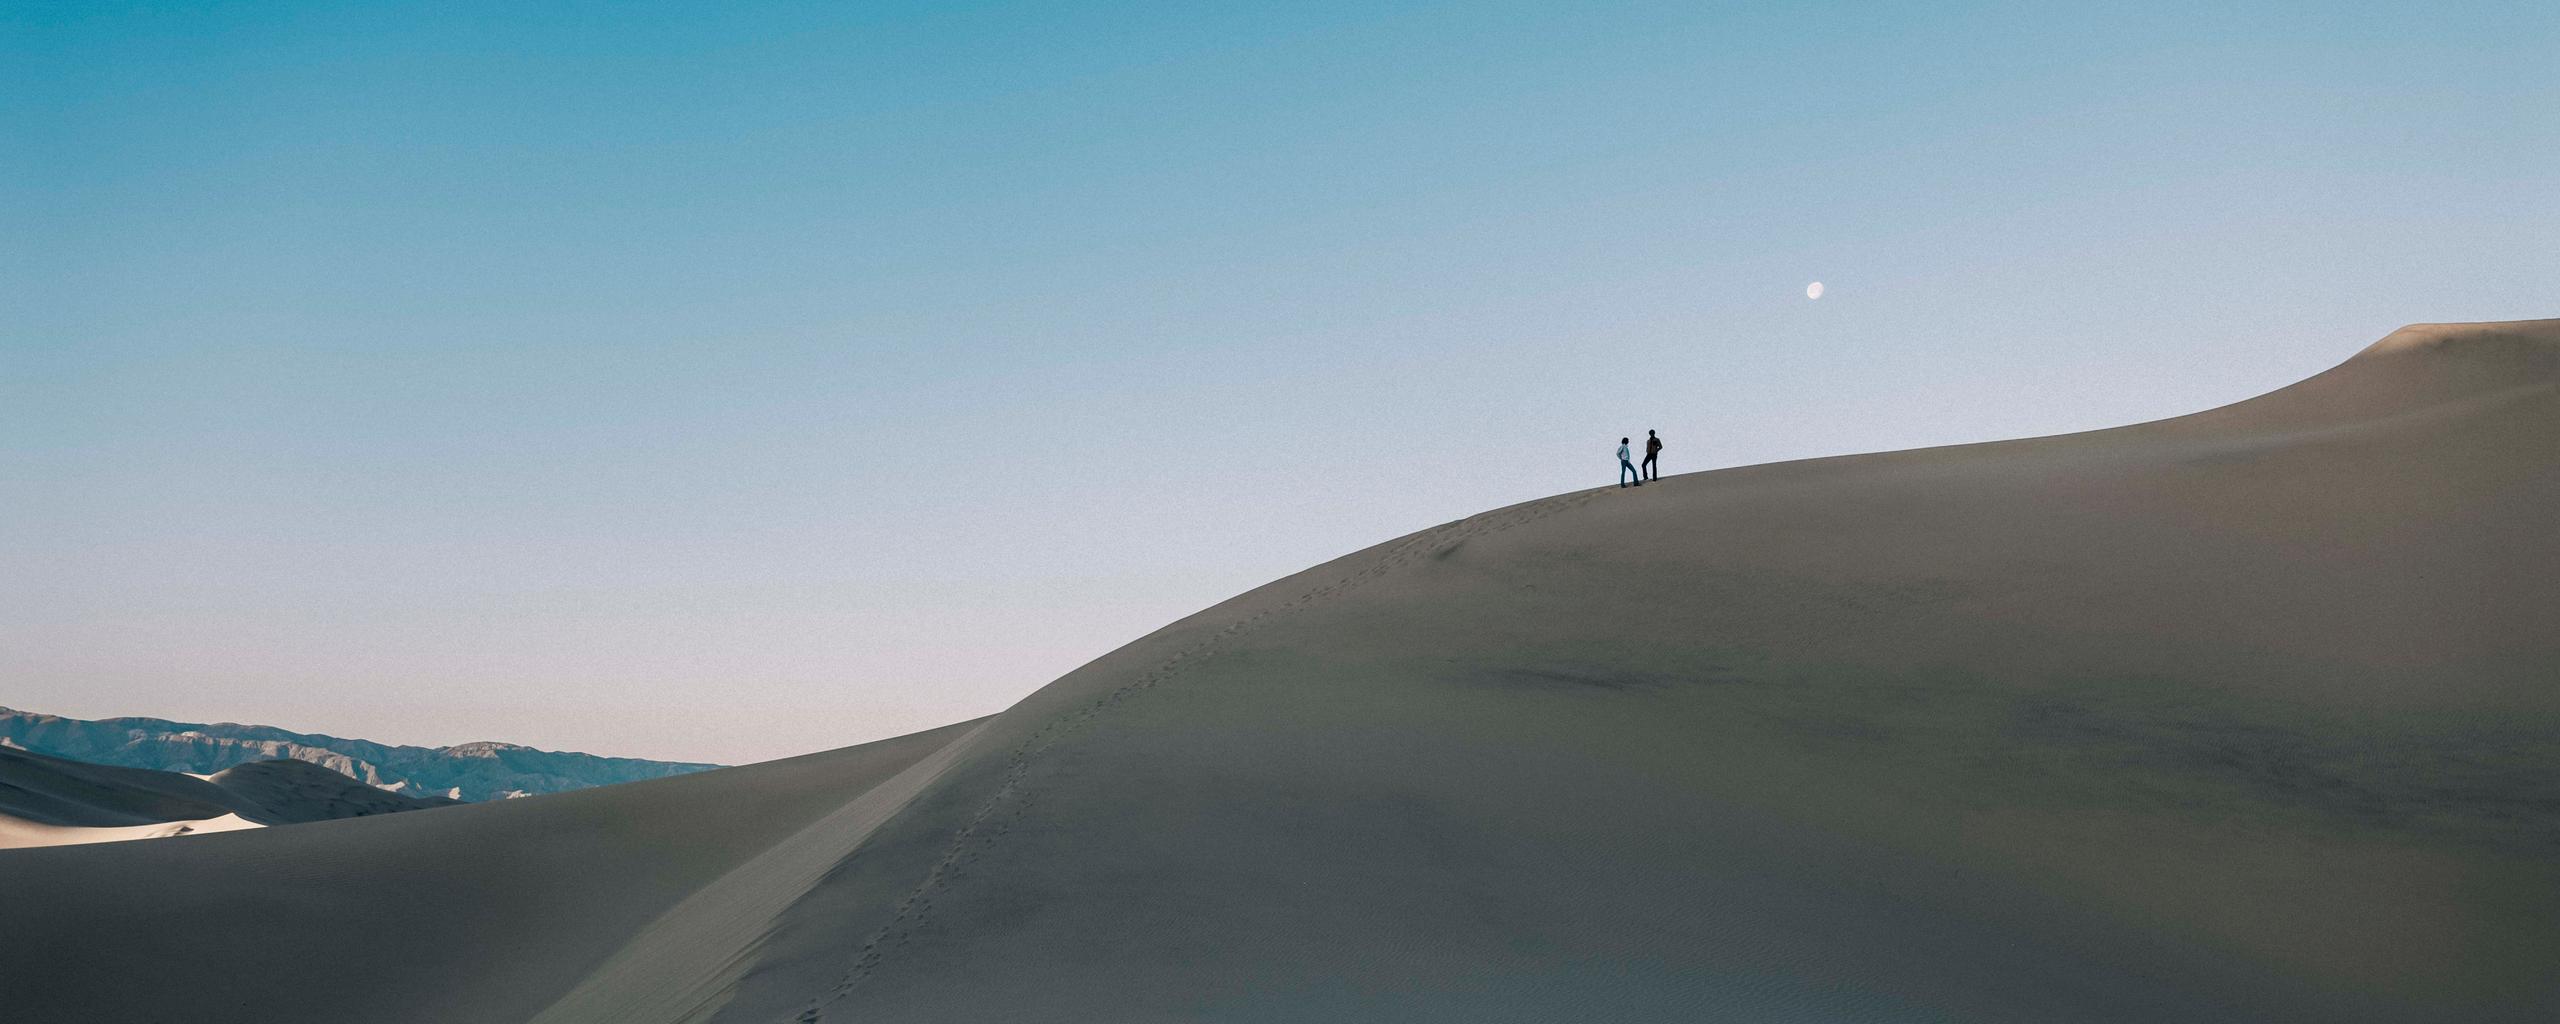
column 476, row 912
column 18, row 833
column 480, row 770
column 37, row 789
column 51, row 801
column 2251, row 715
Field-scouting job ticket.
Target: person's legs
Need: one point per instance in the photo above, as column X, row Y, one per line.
column 1626, row 470
column 1651, row 471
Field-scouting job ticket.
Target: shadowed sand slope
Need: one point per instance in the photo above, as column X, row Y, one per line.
column 53, row 791
column 46, row 801
column 2248, row 715
column 474, row 912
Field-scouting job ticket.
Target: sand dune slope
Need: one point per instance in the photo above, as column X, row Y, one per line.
column 476, row 912
column 298, row 791
column 54, row 791
column 2252, row 715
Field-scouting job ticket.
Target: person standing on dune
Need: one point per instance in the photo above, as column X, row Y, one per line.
column 1627, row 465
column 1652, row 450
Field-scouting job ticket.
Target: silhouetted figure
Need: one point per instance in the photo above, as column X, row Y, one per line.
column 1627, row 465
column 1652, row 451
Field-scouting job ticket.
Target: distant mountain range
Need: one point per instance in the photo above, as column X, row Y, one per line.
column 466, row 771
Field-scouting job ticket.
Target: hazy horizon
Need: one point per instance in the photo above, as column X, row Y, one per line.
column 724, row 385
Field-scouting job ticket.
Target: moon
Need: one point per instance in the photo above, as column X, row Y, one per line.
column 1813, row 291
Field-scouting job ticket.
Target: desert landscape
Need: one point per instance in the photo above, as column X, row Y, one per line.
column 49, row 801
column 2246, row 715
column 485, row 770
column 66, row 781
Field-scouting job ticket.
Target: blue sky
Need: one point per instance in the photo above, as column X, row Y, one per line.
column 735, row 381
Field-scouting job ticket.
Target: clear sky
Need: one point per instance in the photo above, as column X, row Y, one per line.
column 750, row 379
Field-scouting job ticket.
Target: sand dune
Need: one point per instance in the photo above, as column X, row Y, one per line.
column 54, row 791
column 18, row 833
column 50, row 801
column 467, row 771
column 2251, row 715
column 477, row 912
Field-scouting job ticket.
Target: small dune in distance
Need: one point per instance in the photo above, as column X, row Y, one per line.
column 48, row 801
column 68, row 781
column 464, row 771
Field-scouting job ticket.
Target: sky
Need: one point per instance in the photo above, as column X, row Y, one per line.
column 731, row 381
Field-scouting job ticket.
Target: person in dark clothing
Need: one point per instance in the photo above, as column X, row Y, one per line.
column 1652, row 450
